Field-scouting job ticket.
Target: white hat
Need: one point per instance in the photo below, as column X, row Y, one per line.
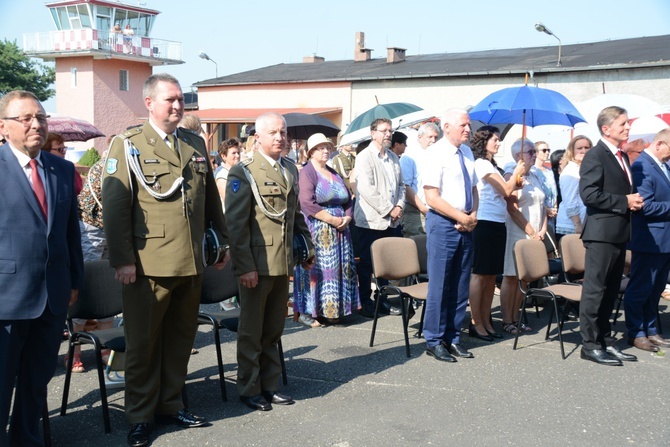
column 317, row 139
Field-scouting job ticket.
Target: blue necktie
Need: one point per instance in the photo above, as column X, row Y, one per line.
column 468, row 183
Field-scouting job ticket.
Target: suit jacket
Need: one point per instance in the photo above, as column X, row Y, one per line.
column 257, row 242
column 161, row 237
column 603, row 186
column 39, row 263
column 373, row 190
column 651, row 225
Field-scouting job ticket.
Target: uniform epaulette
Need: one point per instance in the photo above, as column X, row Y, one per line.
column 130, row 132
column 247, row 161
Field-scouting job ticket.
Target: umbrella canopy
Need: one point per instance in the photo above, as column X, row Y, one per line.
column 635, row 105
column 529, row 106
column 646, row 128
column 401, row 114
column 301, row 126
column 504, row 128
column 72, row 129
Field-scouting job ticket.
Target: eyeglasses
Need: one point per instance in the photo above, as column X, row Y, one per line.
column 546, row 151
column 530, row 152
column 60, row 150
column 384, row 130
column 27, row 120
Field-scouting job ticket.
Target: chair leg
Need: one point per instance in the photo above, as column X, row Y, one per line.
column 551, row 319
column 522, row 312
column 374, row 321
column 103, row 389
column 68, row 377
column 423, row 314
column 219, row 359
column 283, row 362
column 559, row 325
column 46, row 426
column 404, row 308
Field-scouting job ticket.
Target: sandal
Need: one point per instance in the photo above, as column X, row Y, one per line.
column 510, row 328
column 308, row 321
column 524, row 328
column 77, row 365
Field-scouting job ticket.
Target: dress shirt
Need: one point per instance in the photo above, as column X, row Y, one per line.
column 614, row 150
column 444, row 172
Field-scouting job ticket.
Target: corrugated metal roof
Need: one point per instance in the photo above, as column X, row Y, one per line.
column 625, row 53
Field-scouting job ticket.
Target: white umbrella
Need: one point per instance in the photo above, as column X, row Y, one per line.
column 635, row 105
column 646, row 128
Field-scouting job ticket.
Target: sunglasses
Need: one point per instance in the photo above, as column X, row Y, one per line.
column 546, row 151
column 60, row 150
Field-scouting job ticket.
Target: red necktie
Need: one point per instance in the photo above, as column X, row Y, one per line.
column 38, row 188
column 623, row 165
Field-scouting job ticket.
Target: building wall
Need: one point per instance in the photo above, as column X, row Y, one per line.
column 97, row 98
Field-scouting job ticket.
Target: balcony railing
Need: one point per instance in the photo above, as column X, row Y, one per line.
column 90, row 40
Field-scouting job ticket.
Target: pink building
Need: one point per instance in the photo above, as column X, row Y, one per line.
column 103, row 53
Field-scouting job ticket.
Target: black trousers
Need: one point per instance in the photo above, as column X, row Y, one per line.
column 602, row 280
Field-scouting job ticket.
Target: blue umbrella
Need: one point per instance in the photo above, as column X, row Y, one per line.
column 529, row 106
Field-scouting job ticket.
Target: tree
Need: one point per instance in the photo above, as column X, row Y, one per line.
column 19, row 72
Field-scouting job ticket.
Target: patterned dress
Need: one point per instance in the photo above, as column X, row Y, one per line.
column 329, row 289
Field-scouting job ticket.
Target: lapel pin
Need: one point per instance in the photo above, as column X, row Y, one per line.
column 152, row 140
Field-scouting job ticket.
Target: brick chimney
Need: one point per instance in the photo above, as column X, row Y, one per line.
column 312, row 59
column 361, row 53
column 394, row 54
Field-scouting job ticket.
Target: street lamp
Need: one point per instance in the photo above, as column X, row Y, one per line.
column 539, row 26
column 203, row 55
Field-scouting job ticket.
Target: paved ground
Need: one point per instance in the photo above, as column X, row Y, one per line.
column 352, row 395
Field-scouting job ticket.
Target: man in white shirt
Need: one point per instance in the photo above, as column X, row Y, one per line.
column 414, row 218
column 450, row 187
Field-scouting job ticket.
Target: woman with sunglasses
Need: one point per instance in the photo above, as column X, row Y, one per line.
column 543, row 170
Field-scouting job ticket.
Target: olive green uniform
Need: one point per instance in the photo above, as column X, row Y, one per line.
column 263, row 244
column 163, row 239
column 343, row 164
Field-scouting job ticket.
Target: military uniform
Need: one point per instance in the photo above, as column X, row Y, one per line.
column 162, row 237
column 343, row 164
column 263, row 244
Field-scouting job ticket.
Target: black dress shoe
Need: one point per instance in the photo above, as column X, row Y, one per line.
column 457, row 351
column 367, row 311
column 599, row 356
column 386, row 309
column 616, row 353
column 278, row 398
column 440, row 353
column 256, row 402
column 183, row 418
column 138, row 436
column 474, row 334
column 494, row 334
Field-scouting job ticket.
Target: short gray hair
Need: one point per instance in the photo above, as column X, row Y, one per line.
column 149, row 88
column 428, row 126
column 262, row 120
column 11, row 96
column 516, row 147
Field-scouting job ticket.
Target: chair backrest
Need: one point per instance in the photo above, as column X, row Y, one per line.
column 218, row 285
column 530, row 260
column 394, row 258
column 420, row 240
column 100, row 297
column 573, row 255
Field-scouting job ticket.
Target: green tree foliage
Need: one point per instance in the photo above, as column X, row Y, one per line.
column 89, row 158
column 19, row 72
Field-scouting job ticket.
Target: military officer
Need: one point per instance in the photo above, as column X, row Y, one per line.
column 159, row 195
column 343, row 163
column 263, row 214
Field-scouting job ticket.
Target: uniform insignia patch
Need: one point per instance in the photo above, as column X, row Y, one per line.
column 112, row 165
column 235, row 185
column 199, row 159
column 270, row 183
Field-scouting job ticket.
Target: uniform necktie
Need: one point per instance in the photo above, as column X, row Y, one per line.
column 623, row 165
column 173, row 143
column 38, row 187
column 280, row 170
column 467, row 181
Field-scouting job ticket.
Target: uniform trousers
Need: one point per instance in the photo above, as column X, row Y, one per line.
column 261, row 324
column 28, row 357
column 413, row 221
column 648, row 277
column 602, row 280
column 450, row 254
column 160, row 317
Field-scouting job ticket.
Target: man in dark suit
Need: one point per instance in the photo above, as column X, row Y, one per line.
column 605, row 187
column 41, row 268
column 263, row 214
column 650, row 245
column 159, row 195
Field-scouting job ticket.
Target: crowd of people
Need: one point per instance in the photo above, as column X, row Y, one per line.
column 306, row 211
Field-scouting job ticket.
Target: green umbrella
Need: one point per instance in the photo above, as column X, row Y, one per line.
column 401, row 114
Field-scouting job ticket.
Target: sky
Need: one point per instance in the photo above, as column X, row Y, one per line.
column 241, row 35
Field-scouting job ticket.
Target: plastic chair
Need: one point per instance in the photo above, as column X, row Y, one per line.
column 100, row 297
column 395, row 258
column 531, row 264
column 219, row 285
column 422, row 250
